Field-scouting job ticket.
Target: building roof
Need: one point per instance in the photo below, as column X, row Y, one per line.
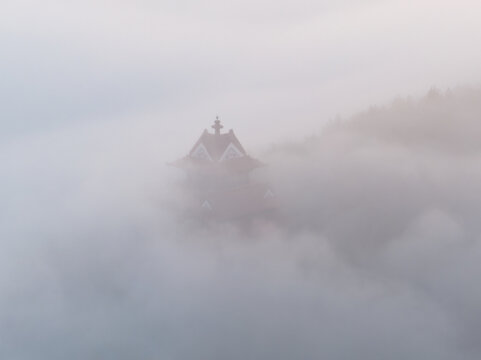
column 216, row 149
column 216, row 144
column 237, row 165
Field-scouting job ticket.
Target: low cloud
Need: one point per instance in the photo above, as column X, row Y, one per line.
column 376, row 255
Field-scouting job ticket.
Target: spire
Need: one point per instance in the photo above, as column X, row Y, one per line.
column 217, row 126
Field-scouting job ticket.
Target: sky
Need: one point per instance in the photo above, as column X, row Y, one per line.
column 376, row 253
column 270, row 70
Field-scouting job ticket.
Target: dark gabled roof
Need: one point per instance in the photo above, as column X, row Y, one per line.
column 216, row 144
column 236, row 165
column 242, row 164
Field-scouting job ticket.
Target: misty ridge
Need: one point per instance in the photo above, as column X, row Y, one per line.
column 383, row 168
column 376, row 255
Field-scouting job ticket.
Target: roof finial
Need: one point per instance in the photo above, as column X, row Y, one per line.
column 217, row 126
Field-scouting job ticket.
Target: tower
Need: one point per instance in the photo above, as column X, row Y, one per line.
column 218, row 176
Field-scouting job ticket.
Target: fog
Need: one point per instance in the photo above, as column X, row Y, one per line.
column 376, row 254
column 374, row 251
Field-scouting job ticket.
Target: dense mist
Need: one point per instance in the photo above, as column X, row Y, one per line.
column 374, row 254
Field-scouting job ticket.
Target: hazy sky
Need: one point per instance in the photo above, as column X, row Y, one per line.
column 377, row 254
column 270, row 69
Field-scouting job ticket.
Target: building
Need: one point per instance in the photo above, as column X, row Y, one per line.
column 218, row 178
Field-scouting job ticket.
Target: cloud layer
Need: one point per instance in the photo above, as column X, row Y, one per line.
column 376, row 256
